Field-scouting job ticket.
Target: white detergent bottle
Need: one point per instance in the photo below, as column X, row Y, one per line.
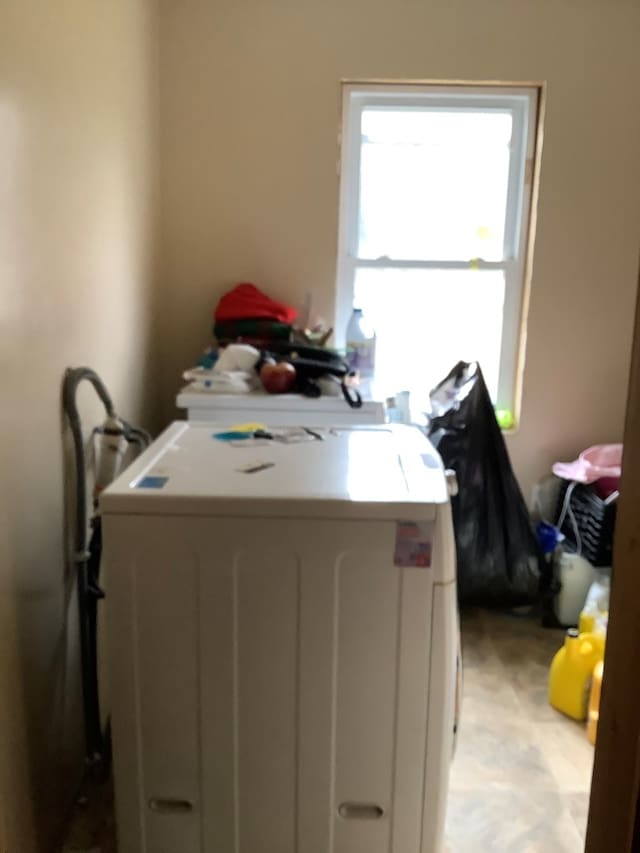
column 361, row 346
column 576, row 576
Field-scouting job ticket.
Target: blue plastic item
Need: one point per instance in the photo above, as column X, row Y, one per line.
column 549, row 537
column 208, row 359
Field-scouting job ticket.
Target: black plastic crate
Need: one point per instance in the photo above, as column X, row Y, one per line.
column 594, row 519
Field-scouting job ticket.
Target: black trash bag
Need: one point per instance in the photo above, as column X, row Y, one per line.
column 499, row 559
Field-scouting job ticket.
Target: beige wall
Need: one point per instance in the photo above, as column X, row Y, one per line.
column 250, row 109
column 75, row 173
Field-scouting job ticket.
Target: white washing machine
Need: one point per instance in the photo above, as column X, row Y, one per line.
column 282, row 642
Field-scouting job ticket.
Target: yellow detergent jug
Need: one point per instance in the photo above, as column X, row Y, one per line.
column 594, row 703
column 572, row 670
column 587, row 622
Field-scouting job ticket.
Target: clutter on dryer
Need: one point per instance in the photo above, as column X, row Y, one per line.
column 318, row 371
column 259, row 350
column 283, row 368
column 258, row 332
column 248, row 315
column 500, row 562
column 203, row 379
column 208, row 358
column 232, row 372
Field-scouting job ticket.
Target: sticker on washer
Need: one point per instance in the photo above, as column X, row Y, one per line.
column 414, row 544
column 152, row 482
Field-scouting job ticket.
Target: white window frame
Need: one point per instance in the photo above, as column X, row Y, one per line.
column 523, row 103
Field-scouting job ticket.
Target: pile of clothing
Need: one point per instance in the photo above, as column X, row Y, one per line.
column 247, row 315
column 232, row 371
column 256, row 351
column 245, row 322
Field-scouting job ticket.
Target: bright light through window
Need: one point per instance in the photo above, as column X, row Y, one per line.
column 416, row 348
column 433, row 184
column 434, row 224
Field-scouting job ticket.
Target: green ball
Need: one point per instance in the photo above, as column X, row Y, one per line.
column 505, row 418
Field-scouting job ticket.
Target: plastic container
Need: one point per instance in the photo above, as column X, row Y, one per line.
column 595, row 613
column 594, row 703
column 571, row 673
column 399, row 408
column 361, row 345
column 576, row 576
column 589, row 522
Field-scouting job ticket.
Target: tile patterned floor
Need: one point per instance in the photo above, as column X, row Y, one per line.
column 521, row 774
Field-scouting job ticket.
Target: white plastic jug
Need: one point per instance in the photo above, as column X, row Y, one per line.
column 595, row 613
column 576, row 576
column 361, row 345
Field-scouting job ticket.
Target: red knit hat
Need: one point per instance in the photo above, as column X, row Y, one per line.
column 247, row 302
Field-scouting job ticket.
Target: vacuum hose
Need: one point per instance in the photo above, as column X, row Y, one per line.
column 87, row 552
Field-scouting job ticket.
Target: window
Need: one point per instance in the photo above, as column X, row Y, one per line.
column 434, row 225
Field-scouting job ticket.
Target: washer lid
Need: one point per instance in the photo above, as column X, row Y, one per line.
column 387, row 471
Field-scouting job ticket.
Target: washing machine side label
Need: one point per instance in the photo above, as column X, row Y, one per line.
column 414, row 544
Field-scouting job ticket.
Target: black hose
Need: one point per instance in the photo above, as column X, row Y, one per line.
column 135, row 435
column 87, row 553
column 87, row 594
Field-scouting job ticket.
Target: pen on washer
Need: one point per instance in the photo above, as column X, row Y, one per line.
column 313, row 433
